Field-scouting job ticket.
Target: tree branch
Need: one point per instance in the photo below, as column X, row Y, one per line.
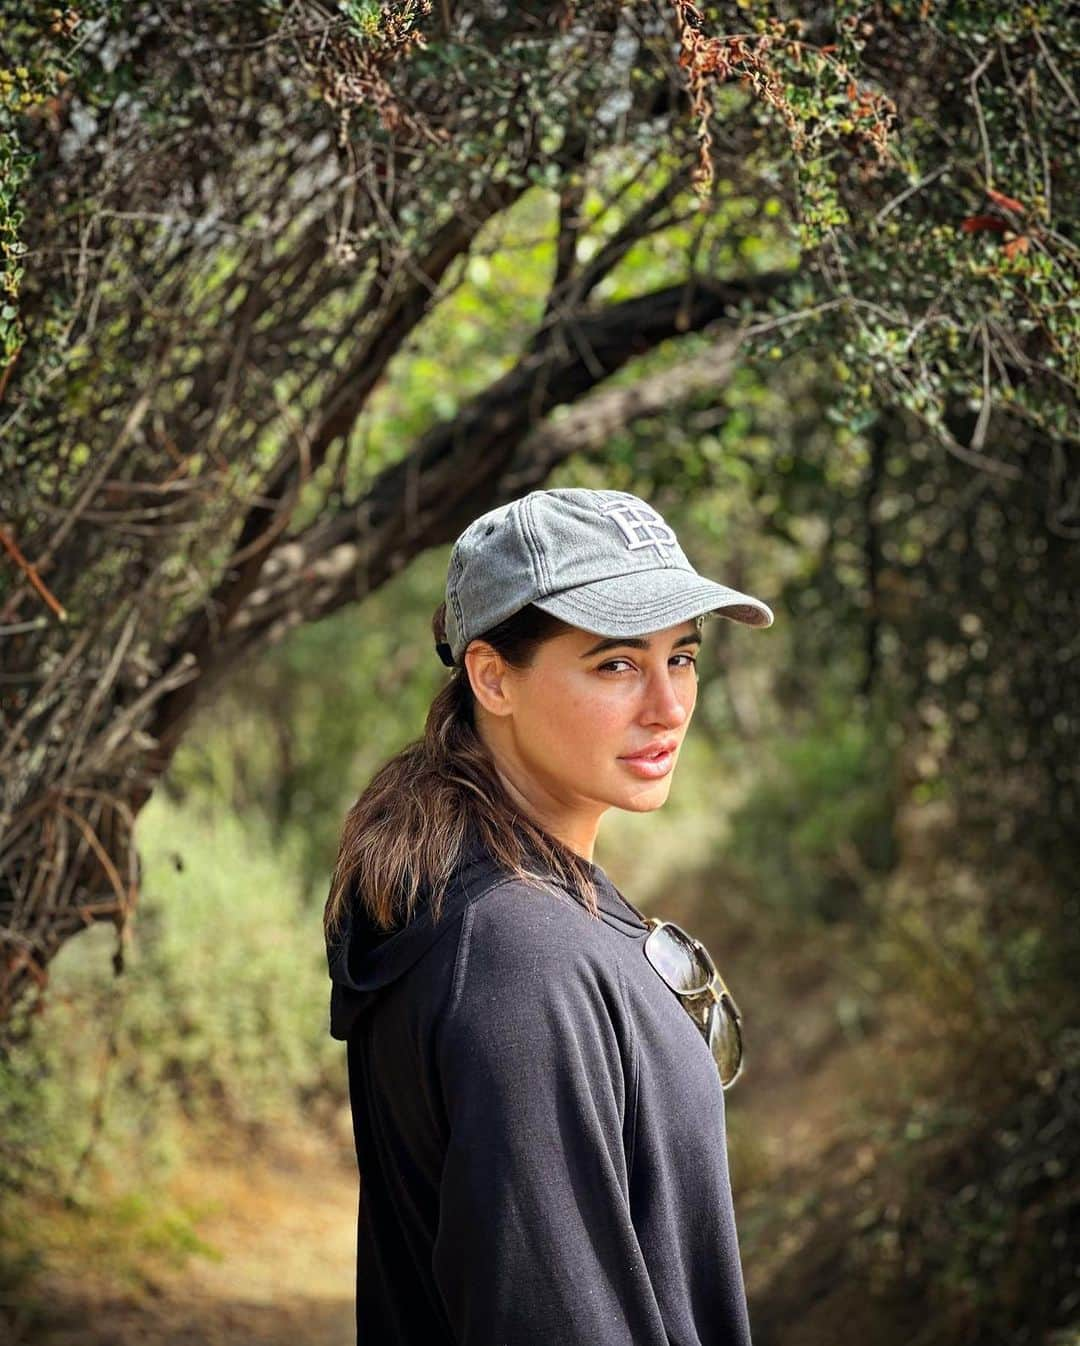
column 266, row 518
column 490, row 451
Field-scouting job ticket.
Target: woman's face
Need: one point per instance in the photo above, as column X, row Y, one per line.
column 593, row 723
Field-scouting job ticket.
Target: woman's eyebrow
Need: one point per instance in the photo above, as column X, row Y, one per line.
column 638, row 643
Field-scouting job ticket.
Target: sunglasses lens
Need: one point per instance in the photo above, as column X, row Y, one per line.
column 676, row 960
column 682, row 965
column 725, row 1043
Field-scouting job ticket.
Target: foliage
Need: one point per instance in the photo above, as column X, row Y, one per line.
column 975, row 1195
column 940, row 1202
column 816, row 827
column 219, row 1020
column 933, row 147
column 25, row 91
column 274, row 218
column 291, row 313
column 291, row 744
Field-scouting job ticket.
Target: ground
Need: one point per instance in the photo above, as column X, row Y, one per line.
column 278, row 1229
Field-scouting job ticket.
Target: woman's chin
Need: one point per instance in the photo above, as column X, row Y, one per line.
column 645, row 797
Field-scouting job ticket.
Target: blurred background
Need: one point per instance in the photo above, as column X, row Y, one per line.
column 296, row 290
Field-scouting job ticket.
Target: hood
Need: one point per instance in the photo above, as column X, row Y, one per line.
column 363, row 959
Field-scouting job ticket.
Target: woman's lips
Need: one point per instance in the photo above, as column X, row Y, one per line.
column 653, row 765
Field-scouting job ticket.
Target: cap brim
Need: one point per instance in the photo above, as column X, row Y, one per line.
column 650, row 600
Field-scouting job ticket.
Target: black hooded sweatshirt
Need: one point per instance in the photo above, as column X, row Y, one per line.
column 539, row 1128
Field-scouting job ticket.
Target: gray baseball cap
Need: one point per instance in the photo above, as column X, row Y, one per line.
column 604, row 561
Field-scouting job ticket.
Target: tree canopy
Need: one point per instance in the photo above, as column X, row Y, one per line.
column 267, row 338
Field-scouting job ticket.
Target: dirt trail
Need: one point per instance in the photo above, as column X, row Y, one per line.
column 281, row 1224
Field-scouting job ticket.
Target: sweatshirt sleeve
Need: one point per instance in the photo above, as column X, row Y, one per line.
column 535, row 1241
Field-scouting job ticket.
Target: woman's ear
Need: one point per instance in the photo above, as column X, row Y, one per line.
column 488, row 674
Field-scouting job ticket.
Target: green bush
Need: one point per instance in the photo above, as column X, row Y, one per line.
column 220, row 1016
column 976, row 1192
column 816, row 826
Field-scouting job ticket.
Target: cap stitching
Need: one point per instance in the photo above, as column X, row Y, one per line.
column 703, row 585
column 686, row 569
column 532, row 542
column 671, row 605
column 455, row 601
column 657, row 605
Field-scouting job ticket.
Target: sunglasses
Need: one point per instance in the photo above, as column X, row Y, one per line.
column 686, row 966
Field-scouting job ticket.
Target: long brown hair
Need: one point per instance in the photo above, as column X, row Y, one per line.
column 408, row 830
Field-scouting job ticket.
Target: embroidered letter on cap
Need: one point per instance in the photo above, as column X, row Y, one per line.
column 640, row 525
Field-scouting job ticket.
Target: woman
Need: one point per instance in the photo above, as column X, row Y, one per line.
column 533, row 1068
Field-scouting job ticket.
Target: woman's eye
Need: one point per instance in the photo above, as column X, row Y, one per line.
column 613, row 665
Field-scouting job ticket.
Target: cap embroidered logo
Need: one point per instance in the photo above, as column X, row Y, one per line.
column 640, row 525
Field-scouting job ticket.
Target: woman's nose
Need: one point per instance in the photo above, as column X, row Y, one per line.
column 665, row 705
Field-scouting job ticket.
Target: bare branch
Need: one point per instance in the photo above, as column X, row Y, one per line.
column 461, row 464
